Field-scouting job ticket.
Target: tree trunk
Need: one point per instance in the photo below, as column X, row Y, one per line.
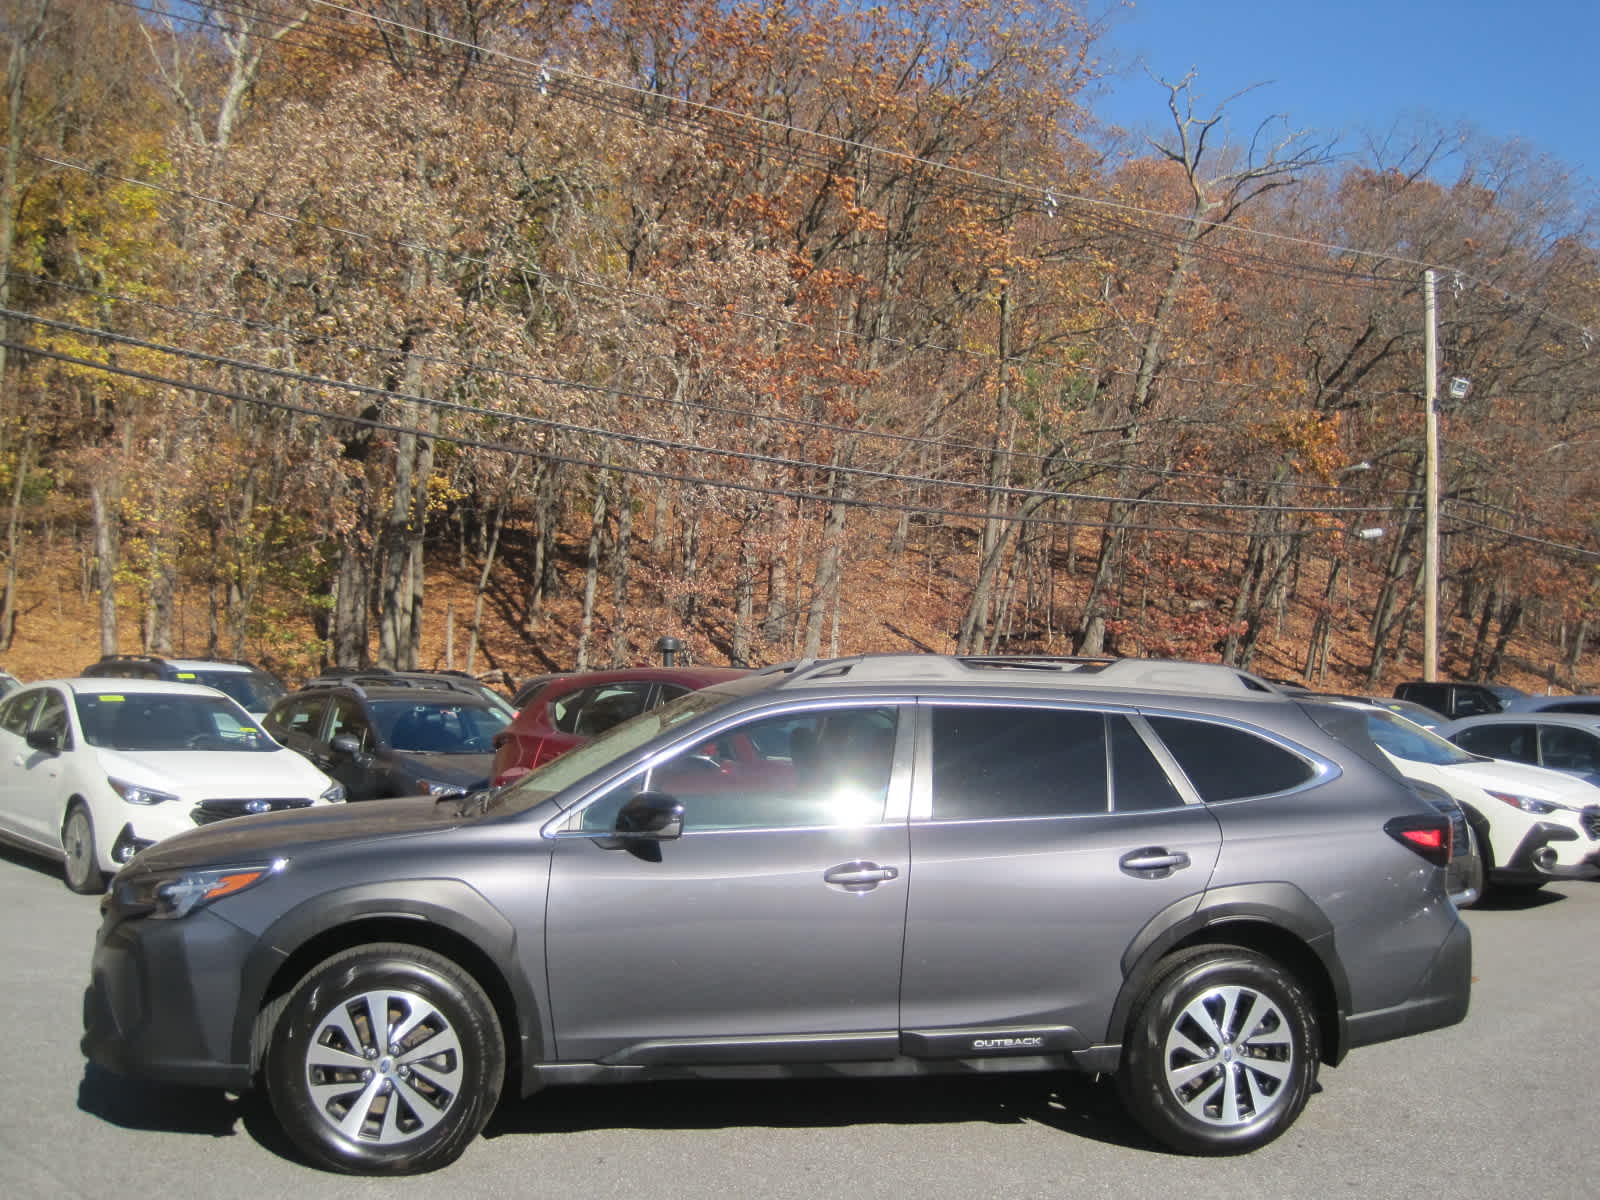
column 105, row 561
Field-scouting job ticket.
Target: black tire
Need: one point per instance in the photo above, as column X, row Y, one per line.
column 80, row 855
column 1221, row 1052
column 351, row 1102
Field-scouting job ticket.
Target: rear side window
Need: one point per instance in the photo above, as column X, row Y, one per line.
column 1227, row 763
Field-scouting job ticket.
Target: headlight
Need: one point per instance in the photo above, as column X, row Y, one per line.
column 433, row 787
column 135, row 793
column 169, row 895
column 1526, row 803
column 334, row 794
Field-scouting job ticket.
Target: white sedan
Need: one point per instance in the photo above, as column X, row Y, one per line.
column 94, row 770
column 1534, row 824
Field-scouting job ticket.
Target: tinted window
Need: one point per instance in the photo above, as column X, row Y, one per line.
column 1515, row 742
column 1017, row 762
column 1567, row 749
column 348, row 718
column 1572, row 706
column 593, row 710
column 809, row 770
column 298, row 716
column 437, row 728
column 1227, row 763
column 1138, row 780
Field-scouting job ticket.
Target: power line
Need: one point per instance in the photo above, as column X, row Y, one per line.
column 863, row 473
column 636, row 471
column 719, row 410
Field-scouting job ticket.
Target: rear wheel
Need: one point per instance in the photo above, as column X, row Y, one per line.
column 1220, row 1055
column 81, row 863
column 386, row 1060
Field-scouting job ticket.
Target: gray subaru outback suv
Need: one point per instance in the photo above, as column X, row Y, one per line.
column 903, row 864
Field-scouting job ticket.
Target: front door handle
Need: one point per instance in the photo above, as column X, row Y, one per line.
column 858, row 876
column 1153, row 862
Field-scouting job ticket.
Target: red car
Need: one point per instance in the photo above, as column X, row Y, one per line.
column 567, row 710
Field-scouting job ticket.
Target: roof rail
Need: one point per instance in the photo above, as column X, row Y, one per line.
column 1151, row 674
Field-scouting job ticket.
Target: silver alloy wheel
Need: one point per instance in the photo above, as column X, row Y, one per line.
column 384, row 1067
column 77, row 841
column 1228, row 1056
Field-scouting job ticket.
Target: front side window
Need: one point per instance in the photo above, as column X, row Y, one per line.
column 1227, row 763
column 17, row 711
column 1515, row 742
column 299, row 716
column 349, row 719
column 52, row 718
column 812, row 769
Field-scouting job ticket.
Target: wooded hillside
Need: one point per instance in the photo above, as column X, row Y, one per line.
column 348, row 332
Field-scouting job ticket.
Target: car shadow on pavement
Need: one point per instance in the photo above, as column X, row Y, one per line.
column 1500, row 900
column 1080, row 1105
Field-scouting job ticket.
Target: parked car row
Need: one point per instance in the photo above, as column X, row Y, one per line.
column 1269, row 872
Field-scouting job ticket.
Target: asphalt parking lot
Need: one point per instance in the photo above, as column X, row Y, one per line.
column 1501, row 1105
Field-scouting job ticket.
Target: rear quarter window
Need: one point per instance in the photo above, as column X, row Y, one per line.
column 1228, row 763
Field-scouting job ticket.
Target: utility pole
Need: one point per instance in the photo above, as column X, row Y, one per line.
column 1430, row 486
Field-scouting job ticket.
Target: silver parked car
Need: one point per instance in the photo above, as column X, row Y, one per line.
column 1170, row 872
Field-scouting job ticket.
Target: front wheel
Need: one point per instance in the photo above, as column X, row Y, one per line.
column 1220, row 1055
column 386, row 1060
column 81, row 860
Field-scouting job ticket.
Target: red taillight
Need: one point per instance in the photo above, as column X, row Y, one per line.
column 1428, row 836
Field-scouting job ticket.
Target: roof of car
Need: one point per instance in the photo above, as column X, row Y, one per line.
column 100, row 684
column 377, row 689
column 1134, row 674
column 1579, row 720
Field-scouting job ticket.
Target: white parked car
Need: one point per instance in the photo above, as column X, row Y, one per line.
column 1561, row 741
column 94, row 770
column 1533, row 824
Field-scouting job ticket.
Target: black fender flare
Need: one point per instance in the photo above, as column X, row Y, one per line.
column 448, row 904
column 1268, row 912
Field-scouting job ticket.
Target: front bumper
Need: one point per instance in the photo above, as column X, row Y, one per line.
column 1540, row 853
column 162, row 1000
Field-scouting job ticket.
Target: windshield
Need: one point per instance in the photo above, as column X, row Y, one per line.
column 545, row 781
column 1410, row 741
column 437, row 727
column 150, row 721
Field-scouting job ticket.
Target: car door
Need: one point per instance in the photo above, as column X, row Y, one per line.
column 17, row 762
column 1043, row 839
column 770, row 929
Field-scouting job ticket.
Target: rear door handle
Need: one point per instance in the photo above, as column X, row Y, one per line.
column 858, row 876
column 1153, row 862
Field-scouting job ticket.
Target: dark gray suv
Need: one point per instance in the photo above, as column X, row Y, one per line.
column 883, row 865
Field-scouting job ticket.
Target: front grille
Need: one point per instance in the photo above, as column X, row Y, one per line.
column 209, row 811
column 1591, row 822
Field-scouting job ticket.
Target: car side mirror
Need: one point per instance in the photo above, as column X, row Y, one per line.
column 46, row 741
column 653, row 815
column 350, row 745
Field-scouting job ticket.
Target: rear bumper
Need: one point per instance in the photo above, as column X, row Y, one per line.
column 1441, row 997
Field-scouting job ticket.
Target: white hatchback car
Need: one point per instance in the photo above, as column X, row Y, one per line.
column 1534, row 824
column 94, row 770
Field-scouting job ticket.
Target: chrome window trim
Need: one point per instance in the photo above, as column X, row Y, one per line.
column 896, row 803
column 1323, row 770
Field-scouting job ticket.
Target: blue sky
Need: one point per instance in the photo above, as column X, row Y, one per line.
column 1529, row 68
